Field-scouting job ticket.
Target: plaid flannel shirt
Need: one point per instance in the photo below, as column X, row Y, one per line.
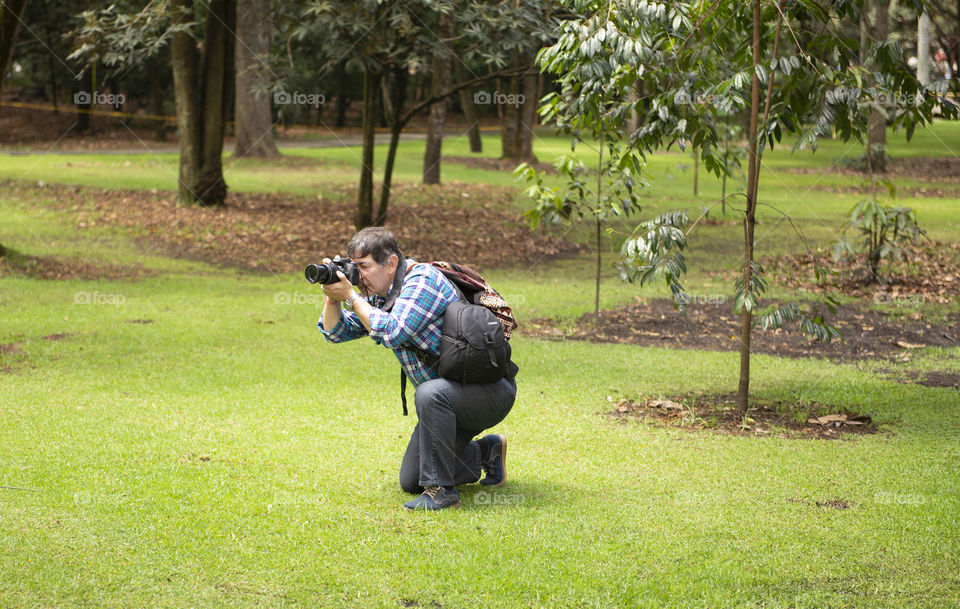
column 415, row 320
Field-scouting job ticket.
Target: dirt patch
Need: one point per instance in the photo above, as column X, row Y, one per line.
column 57, row 337
column 283, row 233
column 488, row 163
column 867, row 333
column 943, row 170
column 926, row 378
column 930, row 273
column 836, row 504
column 719, row 413
column 50, row 268
column 10, row 349
column 931, row 192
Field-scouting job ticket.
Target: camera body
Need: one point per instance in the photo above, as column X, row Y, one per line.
column 327, row 273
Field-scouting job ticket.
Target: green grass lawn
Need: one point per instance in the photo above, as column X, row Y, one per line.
column 193, row 442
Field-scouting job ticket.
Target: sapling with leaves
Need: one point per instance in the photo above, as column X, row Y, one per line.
column 792, row 66
column 884, row 231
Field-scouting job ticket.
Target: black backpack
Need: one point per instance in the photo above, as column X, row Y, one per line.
column 474, row 345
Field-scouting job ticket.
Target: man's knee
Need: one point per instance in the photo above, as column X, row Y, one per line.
column 431, row 394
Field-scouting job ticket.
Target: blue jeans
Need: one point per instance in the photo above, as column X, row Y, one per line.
column 441, row 451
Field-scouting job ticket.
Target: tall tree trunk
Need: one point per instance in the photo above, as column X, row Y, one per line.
column 439, row 80
column 470, row 111
column 519, row 107
column 877, row 133
column 371, row 93
column 87, row 85
column 528, row 114
column 509, row 120
column 340, row 75
column 253, row 124
column 215, row 92
column 749, row 222
column 186, row 78
column 398, row 95
column 11, row 13
column 156, row 99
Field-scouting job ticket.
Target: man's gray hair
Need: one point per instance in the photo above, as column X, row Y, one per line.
column 376, row 241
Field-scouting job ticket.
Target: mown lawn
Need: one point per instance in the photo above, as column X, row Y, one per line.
column 187, row 439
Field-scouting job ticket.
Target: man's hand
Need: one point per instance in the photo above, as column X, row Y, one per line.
column 335, row 293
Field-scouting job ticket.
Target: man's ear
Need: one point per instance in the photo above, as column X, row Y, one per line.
column 394, row 261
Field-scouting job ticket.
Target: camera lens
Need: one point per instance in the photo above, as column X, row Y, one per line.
column 316, row 273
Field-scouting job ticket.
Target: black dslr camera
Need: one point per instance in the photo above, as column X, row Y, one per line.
column 327, row 273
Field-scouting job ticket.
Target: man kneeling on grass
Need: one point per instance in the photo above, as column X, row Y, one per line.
column 442, row 453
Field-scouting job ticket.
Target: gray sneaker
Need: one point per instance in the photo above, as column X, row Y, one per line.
column 494, row 462
column 434, row 498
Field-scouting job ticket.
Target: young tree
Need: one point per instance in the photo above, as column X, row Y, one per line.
column 790, row 64
column 203, row 76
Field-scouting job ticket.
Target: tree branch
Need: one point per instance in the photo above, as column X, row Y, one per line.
column 456, row 88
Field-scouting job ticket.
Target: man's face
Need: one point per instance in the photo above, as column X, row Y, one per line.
column 376, row 279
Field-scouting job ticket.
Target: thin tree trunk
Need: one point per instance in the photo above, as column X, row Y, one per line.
column 371, row 92
column 696, row 172
column 340, row 75
column 439, row 81
column 743, row 390
column 185, row 60
column 254, row 124
column 596, row 293
column 510, row 120
column 88, row 87
column 528, row 115
column 877, row 133
column 399, row 95
column 470, row 111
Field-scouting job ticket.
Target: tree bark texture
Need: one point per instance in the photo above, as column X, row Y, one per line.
column 371, row 94
column 203, row 92
column 439, row 81
column 470, row 111
column 254, row 124
column 398, row 95
column 519, row 115
column 749, row 222
column 877, row 134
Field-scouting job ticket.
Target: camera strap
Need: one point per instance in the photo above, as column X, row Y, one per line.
column 397, row 285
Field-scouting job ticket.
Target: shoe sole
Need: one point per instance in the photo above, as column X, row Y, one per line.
column 452, row 505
